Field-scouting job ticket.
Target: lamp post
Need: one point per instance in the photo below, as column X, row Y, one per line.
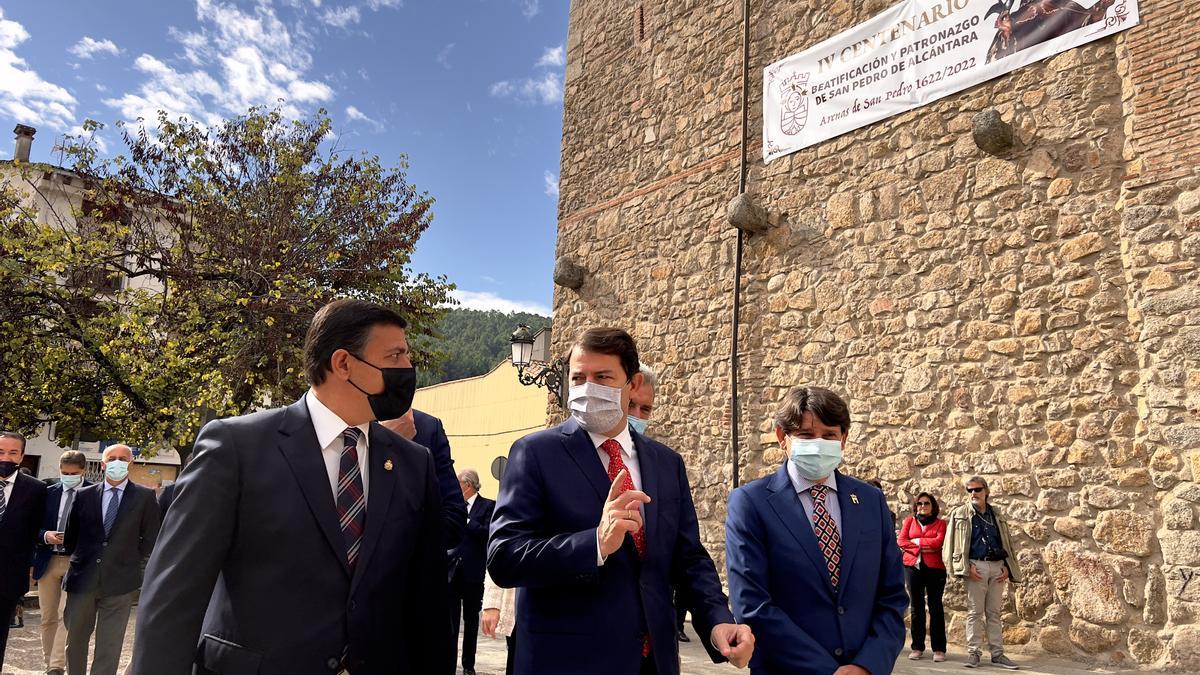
column 548, row 375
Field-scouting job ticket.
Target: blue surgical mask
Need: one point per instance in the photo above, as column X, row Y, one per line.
column 816, row 458
column 637, row 424
column 116, row 469
column 70, row 481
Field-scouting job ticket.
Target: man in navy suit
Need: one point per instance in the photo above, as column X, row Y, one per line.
column 51, row 560
column 813, row 563
column 22, row 503
column 467, row 563
column 306, row 540
column 110, row 534
column 594, row 523
column 425, row 429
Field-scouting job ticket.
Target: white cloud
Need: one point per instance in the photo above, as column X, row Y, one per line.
column 81, row 134
column 551, row 180
column 546, row 88
column 552, row 57
column 242, row 59
column 530, row 8
column 340, row 17
column 89, row 47
column 24, row 96
column 483, row 300
column 355, row 115
column 377, row 5
column 443, row 56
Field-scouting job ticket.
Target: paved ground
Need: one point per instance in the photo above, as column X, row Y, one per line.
column 24, row 657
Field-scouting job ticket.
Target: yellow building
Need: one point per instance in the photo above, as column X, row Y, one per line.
column 483, row 416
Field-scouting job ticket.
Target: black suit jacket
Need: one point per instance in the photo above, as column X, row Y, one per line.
column 165, row 497
column 112, row 567
column 18, row 531
column 471, row 555
column 41, row 555
column 251, row 576
column 432, row 435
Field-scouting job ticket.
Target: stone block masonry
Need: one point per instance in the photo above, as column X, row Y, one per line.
column 1033, row 317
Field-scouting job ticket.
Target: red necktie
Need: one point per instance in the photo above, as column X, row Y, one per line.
column 827, row 534
column 615, row 465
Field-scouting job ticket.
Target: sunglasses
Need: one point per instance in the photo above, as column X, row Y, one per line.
column 975, row 489
column 924, row 504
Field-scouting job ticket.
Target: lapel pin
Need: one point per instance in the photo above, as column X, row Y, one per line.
column 853, row 498
column 387, row 465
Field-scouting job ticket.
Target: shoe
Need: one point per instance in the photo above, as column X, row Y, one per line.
column 683, row 637
column 1004, row 662
column 938, row 657
column 468, row 671
column 56, row 671
column 915, row 655
column 972, row 661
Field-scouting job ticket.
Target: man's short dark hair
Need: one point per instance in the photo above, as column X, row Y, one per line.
column 826, row 405
column 74, row 458
column 342, row 324
column 13, row 434
column 612, row 341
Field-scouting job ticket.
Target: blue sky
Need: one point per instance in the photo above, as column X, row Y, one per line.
column 470, row 90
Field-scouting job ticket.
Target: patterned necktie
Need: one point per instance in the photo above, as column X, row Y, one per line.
column 615, row 465
column 68, row 499
column 827, row 534
column 110, row 516
column 351, row 504
column 3, row 501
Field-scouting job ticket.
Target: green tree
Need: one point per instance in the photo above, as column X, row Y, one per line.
column 146, row 292
column 471, row 342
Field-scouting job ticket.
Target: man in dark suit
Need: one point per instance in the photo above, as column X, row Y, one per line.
column 467, row 562
column 22, row 503
column 165, row 496
column 813, row 562
column 110, row 534
column 595, row 599
column 306, row 540
column 425, row 429
column 51, row 560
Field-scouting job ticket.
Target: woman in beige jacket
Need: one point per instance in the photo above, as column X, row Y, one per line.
column 500, row 616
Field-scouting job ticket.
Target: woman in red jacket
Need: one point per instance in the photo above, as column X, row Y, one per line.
column 920, row 539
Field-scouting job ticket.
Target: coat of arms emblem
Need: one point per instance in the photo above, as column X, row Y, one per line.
column 793, row 96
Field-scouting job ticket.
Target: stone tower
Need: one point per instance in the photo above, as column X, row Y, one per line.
column 1031, row 316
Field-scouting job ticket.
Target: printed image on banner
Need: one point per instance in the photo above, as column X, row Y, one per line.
column 918, row 52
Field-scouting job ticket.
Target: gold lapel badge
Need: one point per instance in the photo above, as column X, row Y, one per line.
column 387, row 465
column 854, row 498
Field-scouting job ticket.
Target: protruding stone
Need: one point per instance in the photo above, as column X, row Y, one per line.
column 991, row 133
column 1124, row 532
column 568, row 273
column 1093, row 639
column 746, row 214
column 1185, row 648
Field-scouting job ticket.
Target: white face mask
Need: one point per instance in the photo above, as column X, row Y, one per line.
column 815, row 458
column 596, row 407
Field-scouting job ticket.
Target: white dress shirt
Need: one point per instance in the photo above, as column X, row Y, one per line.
column 62, row 504
column 802, row 486
column 329, row 428
column 108, row 496
column 629, row 456
column 8, row 488
column 471, row 502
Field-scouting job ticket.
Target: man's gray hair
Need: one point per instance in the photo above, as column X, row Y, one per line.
column 648, row 375
column 470, row 477
column 978, row 480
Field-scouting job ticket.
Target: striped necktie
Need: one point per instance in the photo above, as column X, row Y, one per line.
column 110, row 516
column 351, row 502
column 827, row 535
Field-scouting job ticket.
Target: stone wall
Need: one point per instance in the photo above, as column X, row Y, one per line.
column 1033, row 317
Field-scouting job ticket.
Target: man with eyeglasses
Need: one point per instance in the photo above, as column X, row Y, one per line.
column 978, row 549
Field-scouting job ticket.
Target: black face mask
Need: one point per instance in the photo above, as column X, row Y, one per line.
column 399, row 387
column 7, row 469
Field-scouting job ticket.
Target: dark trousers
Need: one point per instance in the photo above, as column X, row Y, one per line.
column 467, row 596
column 680, row 612
column 511, row 641
column 922, row 582
column 648, row 667
column 108, row 617
column 8, row 606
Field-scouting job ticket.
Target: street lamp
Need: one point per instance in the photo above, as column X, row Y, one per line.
column 548, row 375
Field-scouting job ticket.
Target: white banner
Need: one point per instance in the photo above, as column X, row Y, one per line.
column 915, row 53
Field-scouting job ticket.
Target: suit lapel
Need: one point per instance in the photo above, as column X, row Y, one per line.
column 579, row 446
column 647, row 458
column 786, row 504
column 849, row 502
column 127, row 495
column 298, row 443
column 383, row 483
